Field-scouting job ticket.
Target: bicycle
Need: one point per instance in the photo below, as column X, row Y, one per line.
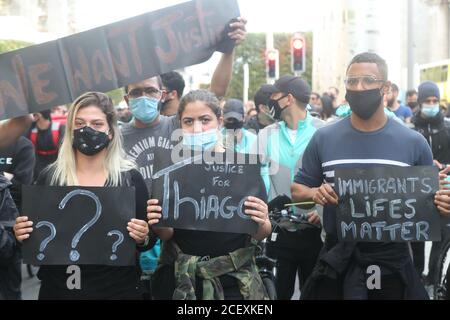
column 442, row 280
column 283, row 219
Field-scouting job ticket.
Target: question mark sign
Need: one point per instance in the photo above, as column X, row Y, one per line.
column 74, row 254
column 47, row 240
column 117, row 243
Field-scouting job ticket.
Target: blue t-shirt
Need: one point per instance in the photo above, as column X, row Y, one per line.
column 339, row 145
column 403, row 112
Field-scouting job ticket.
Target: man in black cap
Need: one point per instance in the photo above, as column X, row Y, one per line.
column 282, row 145
column 263, row 118
column 236, row 137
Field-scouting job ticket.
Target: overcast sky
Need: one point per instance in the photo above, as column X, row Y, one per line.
column 262, row 15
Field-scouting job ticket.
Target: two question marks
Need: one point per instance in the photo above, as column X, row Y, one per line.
column 74, row 254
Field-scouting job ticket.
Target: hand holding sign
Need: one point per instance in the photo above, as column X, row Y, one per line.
column 22, row 228
column 442, row 202
column 138, row 230
column 239, row 31
column 258, row 212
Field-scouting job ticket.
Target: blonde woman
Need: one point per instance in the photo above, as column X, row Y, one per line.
column 91, row 156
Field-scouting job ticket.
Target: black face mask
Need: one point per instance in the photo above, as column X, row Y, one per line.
column 413, row 105
column 235, row 125
column 275, row 109
column 89, row 141
column 364, row 103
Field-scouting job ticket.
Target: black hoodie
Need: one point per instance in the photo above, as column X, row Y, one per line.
column 10, row 256
column 437, row 132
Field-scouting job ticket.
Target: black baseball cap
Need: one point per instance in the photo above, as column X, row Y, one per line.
column 295, row 86
column 233, row 108
column 262, row 96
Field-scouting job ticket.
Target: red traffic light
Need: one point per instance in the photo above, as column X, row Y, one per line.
column 272, row 55
column 298, row 58
column 272, row 63
column 297, row 44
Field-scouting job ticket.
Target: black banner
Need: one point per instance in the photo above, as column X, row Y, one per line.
column 77, row 225
column 201, row 193
column 40, row 77
column 387, row 204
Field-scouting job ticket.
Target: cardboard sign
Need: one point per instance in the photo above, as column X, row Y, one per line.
column 40, row 77
column 200, row 194
column 78, row 225
column 384, row 204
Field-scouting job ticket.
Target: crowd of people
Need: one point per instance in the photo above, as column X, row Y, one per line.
column 303, row 134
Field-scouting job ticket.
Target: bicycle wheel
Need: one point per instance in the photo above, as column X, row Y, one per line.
column 441, row 286
column 270, row 287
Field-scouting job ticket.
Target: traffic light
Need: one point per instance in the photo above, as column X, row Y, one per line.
column 272, row 63
column 298, row 48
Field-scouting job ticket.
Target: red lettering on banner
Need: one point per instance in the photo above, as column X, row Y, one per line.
column 38, row 85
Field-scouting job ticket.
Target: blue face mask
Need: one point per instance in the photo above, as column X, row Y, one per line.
column 144, row 109
column 430, row 110
column 200, row 141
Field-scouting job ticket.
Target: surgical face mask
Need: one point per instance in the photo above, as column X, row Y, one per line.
column 144, row 109
column 89, row 141
column 364, row 103
column 200, row 141
column 430, row 110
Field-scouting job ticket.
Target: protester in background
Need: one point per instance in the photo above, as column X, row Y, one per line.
column 10, row 255
column 282, row 145
column 402, row 112
column 151, row 131
column 430, row 122
column 59, row 114
column 411, row 100
column 46, row 136
column 200, row 118
column 91, row 155
column 315, row 102
column 172, row 87
column 235, row 136
column 17, row 163
column 333, row 93
column 123, row 114
column 328, row 113
column 251, row 113
column 367, row 138
column 263, row 117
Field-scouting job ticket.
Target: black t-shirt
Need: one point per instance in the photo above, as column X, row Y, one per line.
column 207, row 243
column 98, row 282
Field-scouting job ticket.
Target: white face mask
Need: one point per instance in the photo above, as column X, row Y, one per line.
column 430, row 110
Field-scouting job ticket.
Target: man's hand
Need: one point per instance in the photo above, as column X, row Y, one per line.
column 239, row 31
column 325, row 195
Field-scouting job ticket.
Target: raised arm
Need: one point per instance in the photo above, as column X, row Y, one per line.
column 222, row 75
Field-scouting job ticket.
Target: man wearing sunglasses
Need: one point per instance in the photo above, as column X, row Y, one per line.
column 367, row 138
